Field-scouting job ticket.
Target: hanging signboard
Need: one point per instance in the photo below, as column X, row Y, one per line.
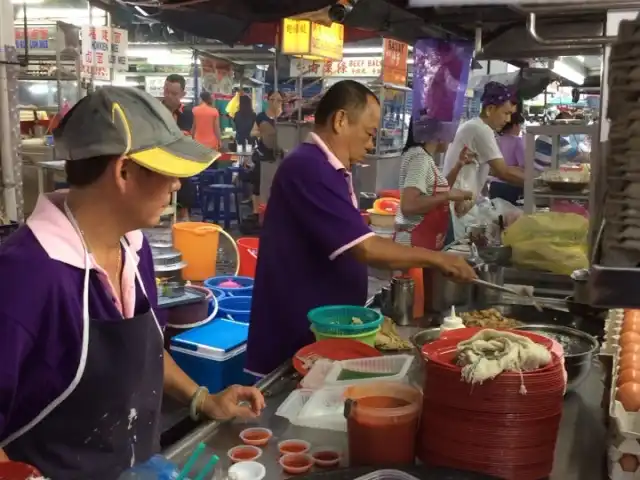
column 352, row 67
column 305, row 39
column 38, row 38
column 394, row 62
column 103, row 48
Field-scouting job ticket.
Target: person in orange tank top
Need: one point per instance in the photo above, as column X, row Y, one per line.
column 206, row 122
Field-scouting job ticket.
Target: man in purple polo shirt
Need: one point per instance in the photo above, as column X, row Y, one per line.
column 314, row 245
column 82, row 364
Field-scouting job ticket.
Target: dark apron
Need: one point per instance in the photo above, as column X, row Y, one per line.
column 111, row 419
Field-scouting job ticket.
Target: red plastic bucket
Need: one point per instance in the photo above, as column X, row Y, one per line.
column 248, row 249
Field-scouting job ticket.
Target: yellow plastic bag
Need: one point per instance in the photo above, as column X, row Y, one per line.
column 554, row 242
column 234, row 105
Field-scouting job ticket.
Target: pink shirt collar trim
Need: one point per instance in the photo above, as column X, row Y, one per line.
column 60, row 241
column 314, row 139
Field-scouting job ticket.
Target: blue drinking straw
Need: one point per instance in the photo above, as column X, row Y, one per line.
column 192, row 460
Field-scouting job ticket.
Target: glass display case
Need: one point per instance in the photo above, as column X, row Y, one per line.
column 394, row 118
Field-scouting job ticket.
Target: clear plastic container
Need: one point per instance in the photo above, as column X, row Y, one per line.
column 387, row 475
column 292, row 405
column 322, row 409
column 382, row 422
column 317, row 375
column 388, row 368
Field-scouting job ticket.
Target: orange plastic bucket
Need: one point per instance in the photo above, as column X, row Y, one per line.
column 198, row 244
column 248, row 250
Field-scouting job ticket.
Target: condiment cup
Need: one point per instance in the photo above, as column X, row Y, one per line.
column 244, row 453
column 293, row 446
column 296, row 463
column 326, row 457
column 247, row 471
column 257, row 436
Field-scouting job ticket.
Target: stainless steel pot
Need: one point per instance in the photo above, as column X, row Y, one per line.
column 423, row 337
column 580, row 349
column 581, row 286
column 483, row 296
column 440, row 293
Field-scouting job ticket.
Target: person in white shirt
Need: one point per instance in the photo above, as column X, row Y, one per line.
column 478, row 135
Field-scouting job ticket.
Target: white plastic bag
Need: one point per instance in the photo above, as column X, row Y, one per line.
column 485, row 212
column 467, row 179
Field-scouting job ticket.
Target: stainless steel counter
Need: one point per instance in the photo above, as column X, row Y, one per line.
column 580, row 447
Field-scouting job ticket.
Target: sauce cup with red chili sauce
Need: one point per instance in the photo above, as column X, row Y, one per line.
column 326, row 457
column 256, row 436
column 296, row 463
column 244, row 453
column 293, row 446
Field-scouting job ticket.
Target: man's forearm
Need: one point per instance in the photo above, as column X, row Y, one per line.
column 512, row 175
column 177, row 384
column 382, row 252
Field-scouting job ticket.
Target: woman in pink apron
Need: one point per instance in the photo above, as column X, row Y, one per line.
column 423, row 217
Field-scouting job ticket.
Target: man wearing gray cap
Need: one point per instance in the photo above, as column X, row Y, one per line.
column 82, row 364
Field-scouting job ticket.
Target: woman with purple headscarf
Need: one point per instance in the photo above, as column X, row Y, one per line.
column 478, row 135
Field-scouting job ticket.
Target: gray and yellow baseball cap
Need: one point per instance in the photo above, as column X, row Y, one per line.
column 127, row 121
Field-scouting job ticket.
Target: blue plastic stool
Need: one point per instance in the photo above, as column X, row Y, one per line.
column 216, row 205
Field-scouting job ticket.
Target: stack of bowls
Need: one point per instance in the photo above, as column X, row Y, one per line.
column 493, row 428
column 345, row 321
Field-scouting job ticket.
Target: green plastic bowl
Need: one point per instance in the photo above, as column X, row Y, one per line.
column 368, row 337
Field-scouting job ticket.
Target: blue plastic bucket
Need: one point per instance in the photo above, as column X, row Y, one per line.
column 235, row 308
column 245, row 289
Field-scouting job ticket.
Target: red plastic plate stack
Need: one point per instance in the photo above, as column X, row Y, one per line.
column 492, row 428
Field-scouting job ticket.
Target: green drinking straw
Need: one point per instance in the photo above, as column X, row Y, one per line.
column 208, row 467
column 192, row 460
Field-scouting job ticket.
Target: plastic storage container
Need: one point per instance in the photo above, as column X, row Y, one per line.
column 388, row 368
column 382, row 423
column 323, row 409
column 198, row 243
column 213, row 355
column 245, row 289
column 235, row 308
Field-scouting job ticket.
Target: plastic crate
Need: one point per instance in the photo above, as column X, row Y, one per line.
column 338, row 319
column 388, row 368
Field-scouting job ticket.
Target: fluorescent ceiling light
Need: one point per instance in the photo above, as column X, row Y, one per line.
column 78, row 16
column 141, row 11
column 565, row 71
column 28, row 2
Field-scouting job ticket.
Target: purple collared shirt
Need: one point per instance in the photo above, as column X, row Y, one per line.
column 41, row 311
column 310, row 225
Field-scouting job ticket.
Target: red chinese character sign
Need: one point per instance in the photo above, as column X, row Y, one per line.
column 103, row 48
column 394, row 62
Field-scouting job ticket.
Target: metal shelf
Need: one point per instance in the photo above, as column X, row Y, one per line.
column 531, row 191
column 584, row 196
